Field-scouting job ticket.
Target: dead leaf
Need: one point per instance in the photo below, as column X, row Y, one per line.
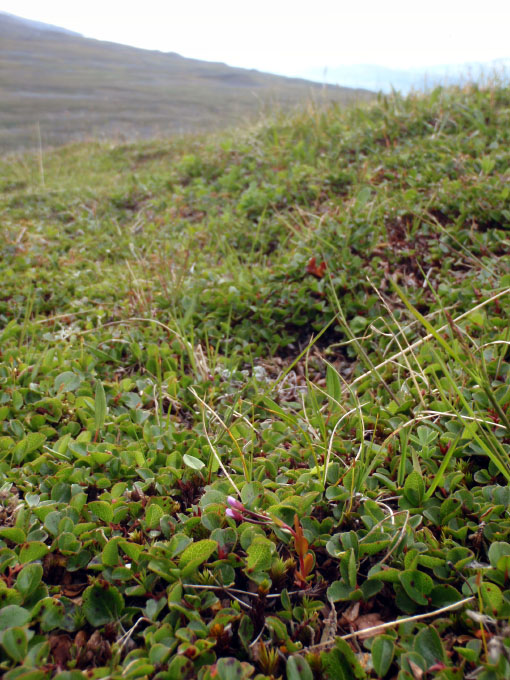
column 351, row 613
column 416, row 670
column 330, row 626
column 368, row 621
column 59, row 649
column 316, row 269
column 80, row 639
column 73, row 589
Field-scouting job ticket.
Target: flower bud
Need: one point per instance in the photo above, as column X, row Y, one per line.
column 234, row 503
column 233, row 514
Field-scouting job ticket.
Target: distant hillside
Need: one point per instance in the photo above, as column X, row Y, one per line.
column 76, row 88
column 380, row 78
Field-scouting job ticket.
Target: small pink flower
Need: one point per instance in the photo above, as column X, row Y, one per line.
column 233, row 514
column 234, row 503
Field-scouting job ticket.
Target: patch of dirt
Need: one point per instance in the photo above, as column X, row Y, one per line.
column 411, row 253
column 294, row 382
column 9, row 502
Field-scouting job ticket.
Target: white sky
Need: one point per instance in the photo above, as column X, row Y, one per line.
column 291, row 36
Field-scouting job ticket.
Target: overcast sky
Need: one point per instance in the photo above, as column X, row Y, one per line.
column 291, row 37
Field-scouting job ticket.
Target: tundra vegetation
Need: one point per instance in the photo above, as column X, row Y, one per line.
column 254, row 400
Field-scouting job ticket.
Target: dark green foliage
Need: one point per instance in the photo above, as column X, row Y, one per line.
column 213, row 430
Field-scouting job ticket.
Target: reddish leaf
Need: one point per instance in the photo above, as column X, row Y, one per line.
column 300, row 541
column 316, row 269
column 307, row 564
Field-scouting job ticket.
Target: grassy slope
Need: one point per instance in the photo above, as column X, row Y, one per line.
column 77, row 88
column 185, row 278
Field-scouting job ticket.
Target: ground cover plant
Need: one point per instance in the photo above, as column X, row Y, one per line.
column 254, row 401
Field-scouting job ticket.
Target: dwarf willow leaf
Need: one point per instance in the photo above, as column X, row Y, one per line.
column 67, row 382
column 383, row 651
column 498, row 550
column 259, row 554
column 33, row 551
column 229, row 668
column 110, row 554
column 152, row 515
column 428, row 644
column 15, row 643
column 102, row 510
column 192, row 462
column 492, row 597
column 414, row 489
column 27, row 445
column 29, row 578
column 340, row 591
column 132, row 550
column 198, row 552
column 13, row 615
column 298, row 669
column 417, row 585
column 102, row 604
column 13, row 534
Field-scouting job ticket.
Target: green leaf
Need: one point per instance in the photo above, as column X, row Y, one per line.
column 383, row 651
column 197, row 553
column 192, row 462
column 277, row 628
column 341, row 663
column 76, row 675
column 33, row 551
column 55, row 613
column 179, row 667
column 13, row 615
column 260, row 554
column 468, row 653
column 285, row 599
column 444, row 595
column 158, row 653
column 390, row 575
column 246, row 633
column 102, row 604
column 14, row 641
column 352, row 569
column 363, row 197
column 28, row 444
column 132, row 550
column 153, row 514
column 333, row 384
column 99, row 406
column 498, row 550
column 428, row 644
column 13, row 534
column 374, row 543
column 102, row 510
column 492, row 597
column 298, row 669
column 229, row 668
column 110, row 554
column 340, row 591
column 28, row 579
column 67, row 382
column 414, row 489
column 417, row 585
